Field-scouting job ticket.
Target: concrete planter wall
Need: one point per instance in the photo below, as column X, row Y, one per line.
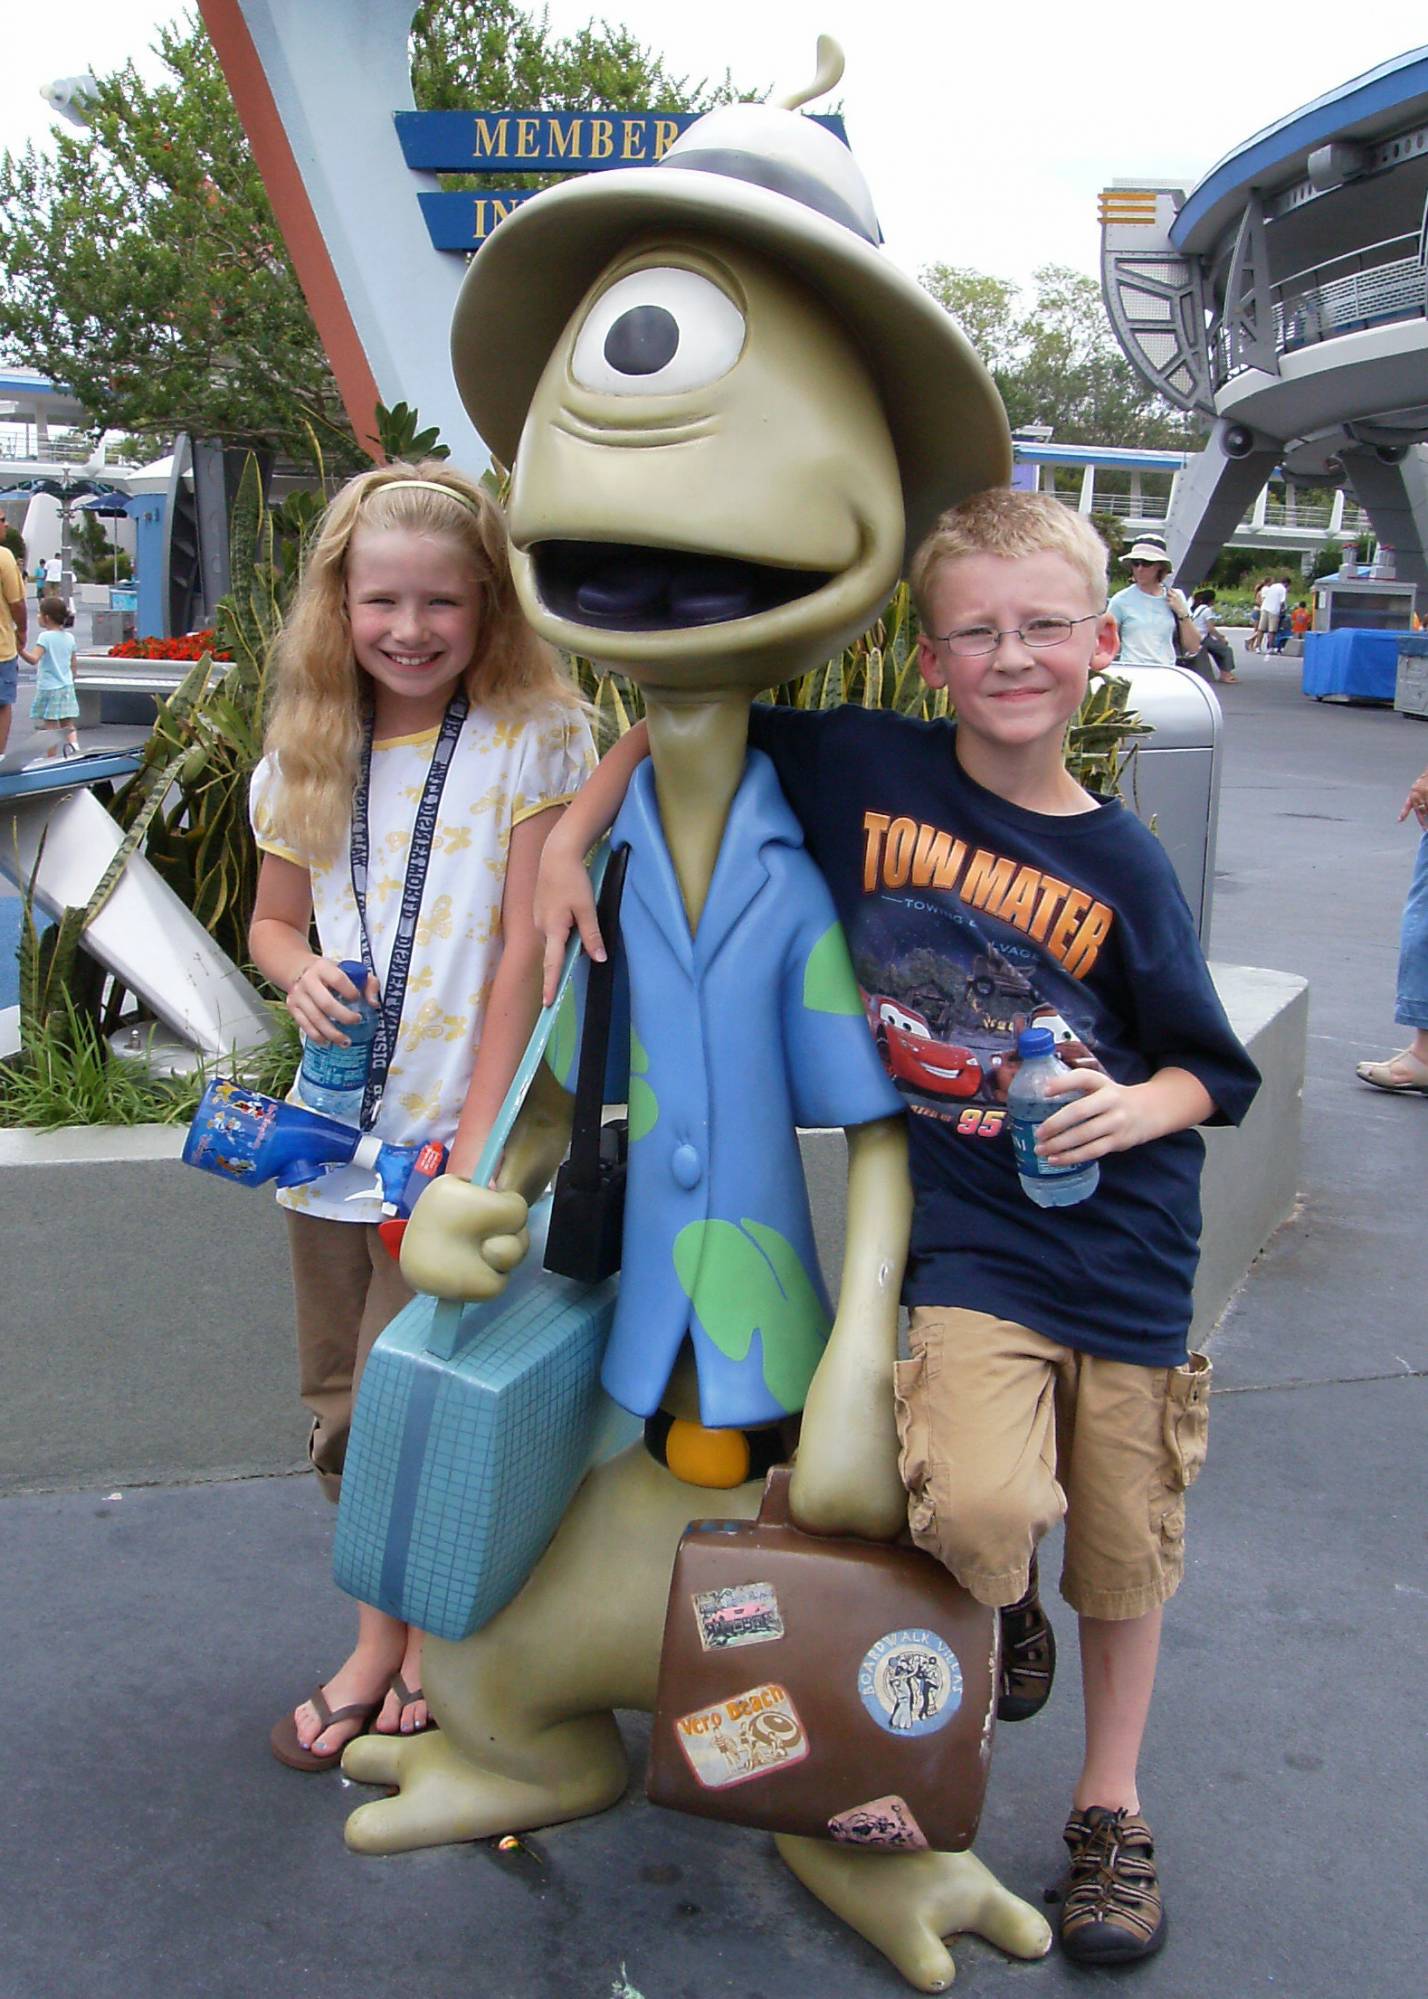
column 147, row 1316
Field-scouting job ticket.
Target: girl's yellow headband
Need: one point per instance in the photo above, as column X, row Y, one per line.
column 426, row 485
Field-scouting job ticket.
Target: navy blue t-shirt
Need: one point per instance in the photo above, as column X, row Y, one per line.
column 970, row 918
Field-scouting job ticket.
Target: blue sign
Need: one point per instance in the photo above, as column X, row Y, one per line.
column 464, row 221
column 540, row 142
column 545, row 142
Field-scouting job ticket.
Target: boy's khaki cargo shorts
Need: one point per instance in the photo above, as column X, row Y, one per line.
column 1004, row 1432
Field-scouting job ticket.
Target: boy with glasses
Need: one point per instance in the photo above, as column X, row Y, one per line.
column 982, row 891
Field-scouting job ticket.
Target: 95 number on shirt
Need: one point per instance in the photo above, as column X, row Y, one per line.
column 975, row 1123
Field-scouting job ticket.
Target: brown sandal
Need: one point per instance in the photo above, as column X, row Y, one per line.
column 405, row 1697
column 284, row 1737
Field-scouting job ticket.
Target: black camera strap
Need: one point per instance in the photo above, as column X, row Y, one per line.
column 394, row 988
column 587, row 1211
column 583, row 1166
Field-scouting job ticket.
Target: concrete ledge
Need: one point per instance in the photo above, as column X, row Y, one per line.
column 1251, row 1178
column 147, row 1314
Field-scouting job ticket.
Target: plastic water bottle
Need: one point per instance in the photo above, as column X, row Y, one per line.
column 333, row 1079
column 1028, row 1106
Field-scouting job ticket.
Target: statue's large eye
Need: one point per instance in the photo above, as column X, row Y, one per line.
column 658, row 333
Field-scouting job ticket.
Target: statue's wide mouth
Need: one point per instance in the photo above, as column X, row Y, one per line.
column 625, row 587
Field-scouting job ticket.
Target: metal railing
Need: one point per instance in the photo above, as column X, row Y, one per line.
column 1314, row 516
column 1347, row 304
column 1128, row 506
column 1374, row 285
column 20, row 443
column 1306, row 517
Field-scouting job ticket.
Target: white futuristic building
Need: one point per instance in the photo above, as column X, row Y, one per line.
column 1284, row 297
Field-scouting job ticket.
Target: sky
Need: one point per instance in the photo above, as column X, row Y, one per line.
column 985, row 132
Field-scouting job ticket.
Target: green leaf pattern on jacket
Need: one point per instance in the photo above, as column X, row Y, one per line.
column 749, row 1280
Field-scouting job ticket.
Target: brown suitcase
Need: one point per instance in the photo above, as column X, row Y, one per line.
column 837, row 1688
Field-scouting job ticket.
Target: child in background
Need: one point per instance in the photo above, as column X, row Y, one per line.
column 56, row 705
column 1300, row 619
column 980, row 887
column 406, row 677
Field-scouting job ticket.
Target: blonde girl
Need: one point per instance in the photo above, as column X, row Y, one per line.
column 56, row 704
column 422, row 743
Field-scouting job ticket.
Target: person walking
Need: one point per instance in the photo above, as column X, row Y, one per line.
column 56, row 704
column 1406, row 1073
column 14, row 626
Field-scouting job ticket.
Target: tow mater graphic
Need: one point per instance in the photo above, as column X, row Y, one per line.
column 915, row 1054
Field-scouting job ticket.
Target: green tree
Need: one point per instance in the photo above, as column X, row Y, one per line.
column 143, row 267
column 96, row 559
column 1055, row 360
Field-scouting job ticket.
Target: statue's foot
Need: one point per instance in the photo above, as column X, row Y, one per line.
column 906, row 1903
column 441, row 1797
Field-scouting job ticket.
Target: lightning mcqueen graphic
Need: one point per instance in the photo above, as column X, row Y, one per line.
column 913, row 1055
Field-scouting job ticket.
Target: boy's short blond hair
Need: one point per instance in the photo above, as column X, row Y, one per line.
column 1012, row 525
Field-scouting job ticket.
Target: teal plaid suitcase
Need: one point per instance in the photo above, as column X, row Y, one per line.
column 461, row 1465
column 474, row 1424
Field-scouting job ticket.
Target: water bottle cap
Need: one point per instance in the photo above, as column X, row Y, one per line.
column 1034, row 1041
column 356, row 971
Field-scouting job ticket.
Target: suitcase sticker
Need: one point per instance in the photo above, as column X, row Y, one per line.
column 910, row 1682
column 751, row 1735
column 884, row 1823
column 746, row 1614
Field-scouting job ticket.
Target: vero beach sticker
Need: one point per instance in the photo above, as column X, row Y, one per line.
column 910, row 1682
column 747, row 1614
column 750, row 1735
column 884, row 1823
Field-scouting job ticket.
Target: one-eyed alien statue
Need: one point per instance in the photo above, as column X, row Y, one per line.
column 729, row 417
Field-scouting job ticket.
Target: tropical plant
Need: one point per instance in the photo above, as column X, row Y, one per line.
column 95, row 558
column 65, row 1075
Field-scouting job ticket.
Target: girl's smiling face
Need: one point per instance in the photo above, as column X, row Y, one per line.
column 413, row 605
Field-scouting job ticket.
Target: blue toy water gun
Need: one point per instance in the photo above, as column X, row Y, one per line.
column 242, row 1135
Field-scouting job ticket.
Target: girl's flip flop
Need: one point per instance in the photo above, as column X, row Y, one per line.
column 284, row 1737
column 405, row 1696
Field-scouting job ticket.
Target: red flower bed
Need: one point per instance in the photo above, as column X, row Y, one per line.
column 193, row 645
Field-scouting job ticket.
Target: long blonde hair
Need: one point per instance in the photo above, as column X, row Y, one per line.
column 314, row 735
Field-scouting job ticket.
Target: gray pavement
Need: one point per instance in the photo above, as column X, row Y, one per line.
column 154, row 1848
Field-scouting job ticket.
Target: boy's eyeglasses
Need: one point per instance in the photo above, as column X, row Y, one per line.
column 972, row 641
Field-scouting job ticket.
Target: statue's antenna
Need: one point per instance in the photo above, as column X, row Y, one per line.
column 829, row 73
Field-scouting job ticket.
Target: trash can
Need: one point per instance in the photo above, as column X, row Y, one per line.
column 1410, row 693
column 1172, row 780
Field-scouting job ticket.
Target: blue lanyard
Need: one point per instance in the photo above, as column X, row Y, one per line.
column 394, row 990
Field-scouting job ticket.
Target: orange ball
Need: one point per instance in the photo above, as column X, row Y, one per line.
column 718, row 1458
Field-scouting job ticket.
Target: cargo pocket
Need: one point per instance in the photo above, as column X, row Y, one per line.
column 1187, row 1420
column 1185, row 1433
column 914, row 1437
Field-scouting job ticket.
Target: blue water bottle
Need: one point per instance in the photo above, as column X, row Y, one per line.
column 333, row 1079
column 1028, row 1106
